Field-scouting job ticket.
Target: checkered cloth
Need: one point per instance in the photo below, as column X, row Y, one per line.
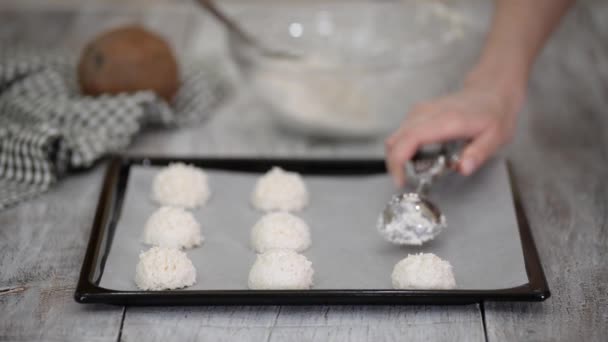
column 48, row 128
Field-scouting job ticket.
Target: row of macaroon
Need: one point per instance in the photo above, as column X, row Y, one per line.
column 278, row 237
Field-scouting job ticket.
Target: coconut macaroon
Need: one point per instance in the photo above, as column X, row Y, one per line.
column 173, row 227
column 424, row 271
column 181, row 185
column 162, row 268
column 280, row 190
column 281, row 269
column 280, row 230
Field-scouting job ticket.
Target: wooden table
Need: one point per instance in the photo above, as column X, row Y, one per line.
column 560, row 158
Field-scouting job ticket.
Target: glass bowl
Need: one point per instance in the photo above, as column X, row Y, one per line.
column 362, row 63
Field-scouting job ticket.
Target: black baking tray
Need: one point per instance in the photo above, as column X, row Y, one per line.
column 108, row 213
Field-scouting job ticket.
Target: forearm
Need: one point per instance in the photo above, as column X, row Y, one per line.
column 518, row 33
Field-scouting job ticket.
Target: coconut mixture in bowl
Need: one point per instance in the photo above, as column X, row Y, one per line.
column 360, row 63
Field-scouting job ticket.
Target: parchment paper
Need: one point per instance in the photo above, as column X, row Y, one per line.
column 482, row 239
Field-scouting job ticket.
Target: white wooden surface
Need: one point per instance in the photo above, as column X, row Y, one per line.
column 42, row 245
column 560, row 158
column 303, row 323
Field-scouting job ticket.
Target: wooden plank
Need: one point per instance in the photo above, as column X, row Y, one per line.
column 42, row 241
column 305, row 323
column 561, row 162
column 42, row 245
column 46, row 311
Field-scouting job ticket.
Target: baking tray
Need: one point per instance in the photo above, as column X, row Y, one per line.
column 109, row 222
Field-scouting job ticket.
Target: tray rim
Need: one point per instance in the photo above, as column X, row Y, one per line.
column 110, row 200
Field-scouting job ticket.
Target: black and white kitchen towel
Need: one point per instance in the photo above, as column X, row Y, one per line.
column 48, row 128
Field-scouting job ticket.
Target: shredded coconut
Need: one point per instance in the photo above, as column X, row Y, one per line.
column 315, row 92
column 408, row 225
column 280, row 190
column 181, row 185
column 423, row 271
column 281, row 269
column 162, row 268
column 280, row 230
column 172, row 227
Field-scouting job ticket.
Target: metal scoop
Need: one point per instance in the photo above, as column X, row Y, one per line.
column 411, row 218
column 237, row 31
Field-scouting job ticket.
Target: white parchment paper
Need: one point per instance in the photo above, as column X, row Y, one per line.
column 482, row 239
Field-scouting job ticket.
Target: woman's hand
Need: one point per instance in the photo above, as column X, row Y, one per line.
column 484, row 111
column 483, row 115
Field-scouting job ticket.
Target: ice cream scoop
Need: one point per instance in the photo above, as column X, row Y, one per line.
column 411, row 218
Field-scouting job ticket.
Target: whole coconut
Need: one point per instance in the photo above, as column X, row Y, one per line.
column 128, row 59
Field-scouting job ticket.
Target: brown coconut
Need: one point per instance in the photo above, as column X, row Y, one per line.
column 128, row 59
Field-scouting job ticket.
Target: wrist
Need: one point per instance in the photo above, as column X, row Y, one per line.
column 509, row 84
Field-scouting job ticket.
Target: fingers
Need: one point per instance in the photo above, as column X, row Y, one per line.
column 472, row 114
column 392, row 139
column 397, row 156
column 479, row 151
column 403, row 146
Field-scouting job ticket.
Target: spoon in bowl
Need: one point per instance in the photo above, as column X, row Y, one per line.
column 244, row 36
column 411, row 218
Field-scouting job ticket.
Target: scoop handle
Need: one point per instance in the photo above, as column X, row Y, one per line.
column 212, row 8
column 432, row 161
